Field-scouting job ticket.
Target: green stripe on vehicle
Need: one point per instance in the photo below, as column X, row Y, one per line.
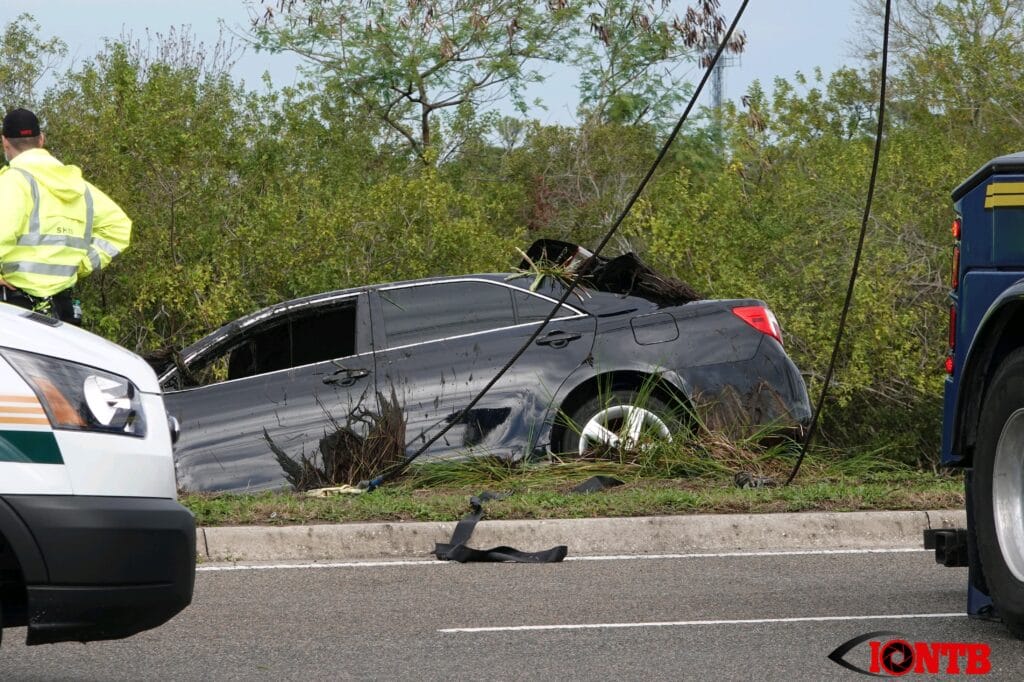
column 29, row 447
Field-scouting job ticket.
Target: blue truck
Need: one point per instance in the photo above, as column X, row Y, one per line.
column 983, row 405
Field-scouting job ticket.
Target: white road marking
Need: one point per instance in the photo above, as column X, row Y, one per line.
column 678, row 623
column 727, row 555
column 347, row 564
column 614, row 557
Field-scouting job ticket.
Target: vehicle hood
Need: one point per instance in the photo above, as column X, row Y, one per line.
column 63, row 182
column 34, row 333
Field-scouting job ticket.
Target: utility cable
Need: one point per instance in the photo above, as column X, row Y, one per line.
column 397, row 469
column 812, row 429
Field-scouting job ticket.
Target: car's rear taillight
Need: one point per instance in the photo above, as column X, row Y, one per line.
column 760, row 318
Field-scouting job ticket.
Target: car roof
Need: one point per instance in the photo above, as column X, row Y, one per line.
column 510, row 279
column 522, row 281
column 588, row 301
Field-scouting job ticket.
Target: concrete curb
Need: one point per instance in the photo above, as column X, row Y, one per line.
column 584, row 537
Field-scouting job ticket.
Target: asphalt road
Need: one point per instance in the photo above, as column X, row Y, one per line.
column 751, row 617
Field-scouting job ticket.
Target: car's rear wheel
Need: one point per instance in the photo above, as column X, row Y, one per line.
column 998, row 495
column 617, row 421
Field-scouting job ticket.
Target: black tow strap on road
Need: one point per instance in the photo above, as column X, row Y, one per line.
column 456, row 550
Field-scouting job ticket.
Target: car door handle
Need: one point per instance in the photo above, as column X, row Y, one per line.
column 557, row 339
column 345, row 376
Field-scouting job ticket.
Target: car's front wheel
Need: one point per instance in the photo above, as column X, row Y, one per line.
column 620, row 420
column 998, row 495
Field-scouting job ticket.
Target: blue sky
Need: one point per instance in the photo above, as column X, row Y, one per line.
column 784, row 36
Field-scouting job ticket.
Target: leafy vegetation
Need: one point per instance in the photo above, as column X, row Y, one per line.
column 244, row 198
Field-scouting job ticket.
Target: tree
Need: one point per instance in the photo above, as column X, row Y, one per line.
column 959, row 64
column 417, row 65
column 631, row 61
column 25, row 59
column 425, row 68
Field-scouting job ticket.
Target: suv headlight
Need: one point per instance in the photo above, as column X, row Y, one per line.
column 79, row 397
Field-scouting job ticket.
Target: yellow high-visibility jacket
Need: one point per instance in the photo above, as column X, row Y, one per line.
column 54, row 226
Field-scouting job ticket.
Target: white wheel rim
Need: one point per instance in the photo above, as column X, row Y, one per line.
column 622, row 426
column 1008, row 493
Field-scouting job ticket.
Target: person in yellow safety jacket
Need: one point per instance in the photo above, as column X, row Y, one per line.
column 54, row 226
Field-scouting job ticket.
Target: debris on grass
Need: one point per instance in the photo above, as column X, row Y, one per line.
column 745, row 479
column 625, row 274
column 345, row 457
column 335, row 490
column 597, row 483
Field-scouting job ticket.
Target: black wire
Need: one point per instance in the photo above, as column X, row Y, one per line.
column 860, row 249
column 387, row 475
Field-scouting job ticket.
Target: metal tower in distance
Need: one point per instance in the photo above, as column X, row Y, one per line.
column 718, row 78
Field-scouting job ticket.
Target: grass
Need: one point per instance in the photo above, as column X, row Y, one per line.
column 660, row 480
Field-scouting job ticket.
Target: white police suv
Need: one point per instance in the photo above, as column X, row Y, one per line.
column 93, row 543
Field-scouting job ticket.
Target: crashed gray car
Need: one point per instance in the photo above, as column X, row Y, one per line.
column 618, row 361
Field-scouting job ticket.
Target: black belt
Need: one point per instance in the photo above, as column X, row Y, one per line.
column 456, row 550
column 60, row 305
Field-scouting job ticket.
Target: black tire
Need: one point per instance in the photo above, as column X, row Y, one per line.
column 572, row 432
column 1001, row 425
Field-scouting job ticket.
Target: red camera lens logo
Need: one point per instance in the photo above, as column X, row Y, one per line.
column 896, row 657
column 891, row 654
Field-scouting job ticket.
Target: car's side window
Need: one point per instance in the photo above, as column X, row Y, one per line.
column 428, row 312
column 532, row 308
column 310, row 336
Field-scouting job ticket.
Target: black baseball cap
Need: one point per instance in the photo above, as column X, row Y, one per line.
column 20, row 123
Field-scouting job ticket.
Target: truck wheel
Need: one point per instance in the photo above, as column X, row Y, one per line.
column 621, row 419
column 998, row 497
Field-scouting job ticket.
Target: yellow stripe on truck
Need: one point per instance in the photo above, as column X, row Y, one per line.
column 1004, row 188
column 22, row 410
column 24, row 421
column 4, row 409
column 1004, row 195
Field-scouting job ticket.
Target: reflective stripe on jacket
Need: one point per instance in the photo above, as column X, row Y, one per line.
column 54, row 226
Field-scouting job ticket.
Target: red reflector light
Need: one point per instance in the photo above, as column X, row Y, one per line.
column 952, row 328
column 761, row 319
column 949, row 364
column 957, row 226
column 955, row 276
